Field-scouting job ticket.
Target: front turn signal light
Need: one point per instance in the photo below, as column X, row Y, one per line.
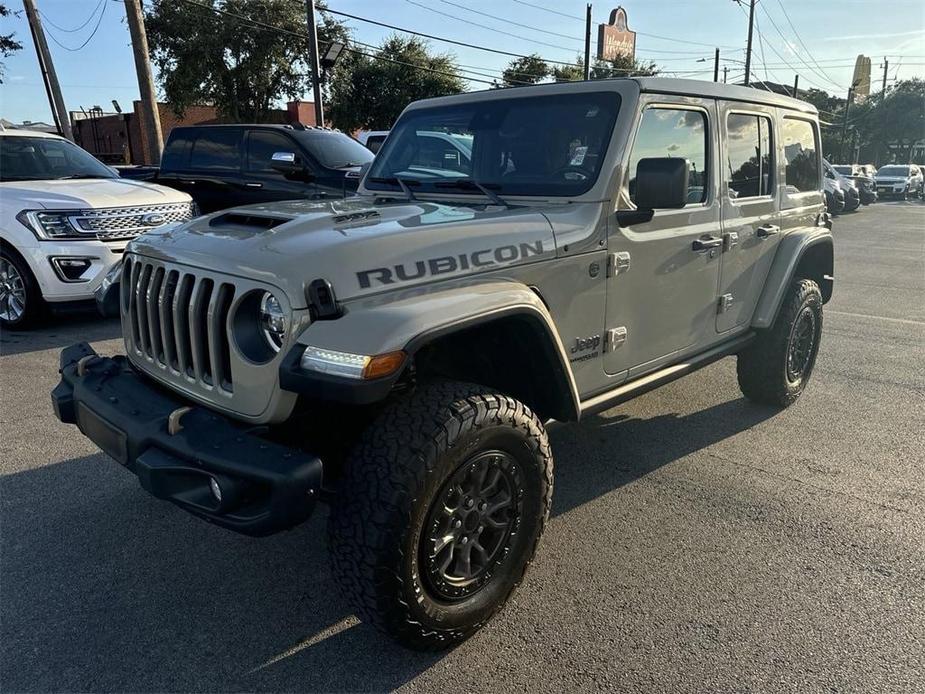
column 383, row 365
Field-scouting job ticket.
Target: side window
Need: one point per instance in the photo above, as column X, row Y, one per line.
column 802, row 157
column 216, row 149
column 374, row 142
column 669, row 132
column 262, row 144
column 176, row 153
column 749, row 161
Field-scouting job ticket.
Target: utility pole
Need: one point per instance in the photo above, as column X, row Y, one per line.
column 151, row 120
column 844, row 131
column 748, row 49
column 588, row 42
column 796, row 86
column 716, row 66
column 315, row 65
column 886, row 65
column 725, row 73
column 49, row 76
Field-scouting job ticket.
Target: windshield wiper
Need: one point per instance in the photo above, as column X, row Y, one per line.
column 470, row 184
column 400, row 182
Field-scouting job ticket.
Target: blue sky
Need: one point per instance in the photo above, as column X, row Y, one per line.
column 834, row 33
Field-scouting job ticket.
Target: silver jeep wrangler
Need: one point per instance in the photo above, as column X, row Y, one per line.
column 398, row 355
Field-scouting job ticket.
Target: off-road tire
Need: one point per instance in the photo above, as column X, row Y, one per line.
column 34, row 304
column 762, row 368
column 387, row 494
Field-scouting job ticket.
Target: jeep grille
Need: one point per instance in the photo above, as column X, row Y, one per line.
column 178, row 320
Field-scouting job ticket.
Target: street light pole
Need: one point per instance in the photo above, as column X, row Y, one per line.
column 748, row 49
column 315, row 65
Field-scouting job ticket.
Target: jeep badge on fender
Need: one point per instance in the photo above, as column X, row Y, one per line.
column 398, row 355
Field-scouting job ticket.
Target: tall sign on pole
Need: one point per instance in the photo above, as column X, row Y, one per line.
column 861, row 78
column 50, row 77
column 150, row 115
column 615, row 38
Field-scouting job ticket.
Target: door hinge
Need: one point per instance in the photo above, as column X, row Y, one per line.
column 613, row 338
column 730, row 240
column 725, row 303
column 618, row 263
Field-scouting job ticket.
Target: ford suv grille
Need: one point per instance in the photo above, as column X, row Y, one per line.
column 117, row 223
column 177, row 320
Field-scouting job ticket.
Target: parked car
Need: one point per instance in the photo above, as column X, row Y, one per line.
column 899, row 180
column 65, row 219
column 834, row 196
column 866, row 186
column 223, row 166
column 398, row 354
column 372, row 139
column 848, row 186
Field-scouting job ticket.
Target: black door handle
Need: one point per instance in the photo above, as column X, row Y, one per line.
column 706, row 242
column 767, row 230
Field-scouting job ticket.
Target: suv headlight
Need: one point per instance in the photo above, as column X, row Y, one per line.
column 51, row 225
column 273, row 322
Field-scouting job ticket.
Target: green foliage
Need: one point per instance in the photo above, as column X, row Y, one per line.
column 242, row 69
column 370, row 92
column 621, row 66
column 528, row 70
column 8, row 44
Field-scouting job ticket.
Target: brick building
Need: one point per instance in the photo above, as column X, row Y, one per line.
column 118, row 138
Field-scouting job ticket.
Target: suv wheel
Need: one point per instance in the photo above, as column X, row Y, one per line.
column 440, row 510
column 20, row 299
column 775, row 368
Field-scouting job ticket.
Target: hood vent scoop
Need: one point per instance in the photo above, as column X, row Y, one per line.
column 253, row 221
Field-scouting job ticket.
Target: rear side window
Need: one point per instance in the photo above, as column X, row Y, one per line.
column 750, row 164
column 176, row 153
column 802, row 155
column 669, row 132
column 262, row 144
column 216, row 150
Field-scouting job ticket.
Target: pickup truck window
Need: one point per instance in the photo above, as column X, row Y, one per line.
column 261, row 145
column 216, row 149
column 540, row 145
column 748, row 145
column 672, row 132
column 802, row 156
column 333, row 149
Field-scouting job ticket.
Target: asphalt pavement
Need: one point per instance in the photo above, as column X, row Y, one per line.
column 699, row 542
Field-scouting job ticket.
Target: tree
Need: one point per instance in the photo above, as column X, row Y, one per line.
column 527, row 70
column 621, row 66
column 371, row 90
column 895, row 121
column 241, row 68
column 8, row 45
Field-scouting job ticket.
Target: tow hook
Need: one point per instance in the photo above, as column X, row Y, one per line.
column 173, row 420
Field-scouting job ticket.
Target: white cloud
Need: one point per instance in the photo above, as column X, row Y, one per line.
column 857, row 37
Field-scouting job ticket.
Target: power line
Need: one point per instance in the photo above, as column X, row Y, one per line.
column 800, row 39
column 71, row 31
column 508, row 21
column 89, row 38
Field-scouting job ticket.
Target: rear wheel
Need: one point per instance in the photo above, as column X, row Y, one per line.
column 439, row 513
column 776, row 367
column 20, row 300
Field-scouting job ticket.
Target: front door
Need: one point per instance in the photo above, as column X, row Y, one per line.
column 260, row 181
column 749, row 197
column 661, row 296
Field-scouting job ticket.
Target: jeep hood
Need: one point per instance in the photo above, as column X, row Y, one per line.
column 361, row 248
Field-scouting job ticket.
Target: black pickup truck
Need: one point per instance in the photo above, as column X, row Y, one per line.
column 224, row 166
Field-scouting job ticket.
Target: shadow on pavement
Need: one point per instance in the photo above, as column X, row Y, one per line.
column 108, row 589
column 57, row 332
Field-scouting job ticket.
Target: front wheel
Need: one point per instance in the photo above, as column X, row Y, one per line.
column 776, row 367
column 20, row 299
column 439, row 512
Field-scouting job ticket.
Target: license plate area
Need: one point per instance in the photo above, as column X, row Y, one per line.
column 102, row 433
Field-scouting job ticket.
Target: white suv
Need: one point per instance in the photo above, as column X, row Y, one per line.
column 65, row 219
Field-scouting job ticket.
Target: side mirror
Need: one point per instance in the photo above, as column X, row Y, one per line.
column 285, row 162
column 662, row 183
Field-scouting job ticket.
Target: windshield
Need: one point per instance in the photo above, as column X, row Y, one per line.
column 45, row 158
column 844, row 170
column 893, row 171
column 333, row 149
column 541, row 145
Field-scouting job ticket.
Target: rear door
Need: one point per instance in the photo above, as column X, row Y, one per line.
column 215, row 168
column 661, row 296
column 751, row 220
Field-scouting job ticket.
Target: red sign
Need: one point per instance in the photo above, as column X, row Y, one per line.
column 615, row 38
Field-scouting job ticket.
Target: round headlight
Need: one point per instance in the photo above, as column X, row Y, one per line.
column 273, row 321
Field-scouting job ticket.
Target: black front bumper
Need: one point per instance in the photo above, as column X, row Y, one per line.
column 266, row 487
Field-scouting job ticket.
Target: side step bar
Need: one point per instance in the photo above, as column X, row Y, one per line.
column 635, row 388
